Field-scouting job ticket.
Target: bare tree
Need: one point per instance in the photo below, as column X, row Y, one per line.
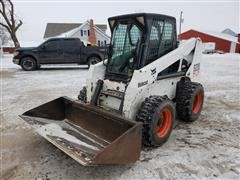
column 11, row 23
column 4, row 35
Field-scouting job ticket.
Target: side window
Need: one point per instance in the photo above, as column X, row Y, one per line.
column 70, row 44
column 134, row 35
column 173, row 68
column 167, row 43
column 154, row 34
column 126, row 39
column 52, row 45
column 168, row 31
column 119, row 40
column 154, row 40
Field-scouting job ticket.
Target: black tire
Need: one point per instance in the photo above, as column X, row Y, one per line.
column 157, row 126
column 83, row 94
column 93, row 60
column 28, row 64
column 189, row 100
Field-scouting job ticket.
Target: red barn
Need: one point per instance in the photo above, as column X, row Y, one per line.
column 8, row 49
column 223, row 42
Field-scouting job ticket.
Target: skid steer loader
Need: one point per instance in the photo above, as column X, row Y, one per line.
column 130, row 99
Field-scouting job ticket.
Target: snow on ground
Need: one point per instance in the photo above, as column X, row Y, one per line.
column 206, row 148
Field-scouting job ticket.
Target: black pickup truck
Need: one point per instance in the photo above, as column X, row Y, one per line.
column 58, row 51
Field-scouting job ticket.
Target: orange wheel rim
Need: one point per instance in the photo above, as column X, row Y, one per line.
column 197, row 102
column 164, row 123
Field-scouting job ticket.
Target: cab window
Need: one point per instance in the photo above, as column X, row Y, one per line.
column 52, row 45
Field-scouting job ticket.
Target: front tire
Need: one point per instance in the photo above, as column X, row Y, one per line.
column 157, row 114
column 189, row 100
column 83, row 95
column 28, row 64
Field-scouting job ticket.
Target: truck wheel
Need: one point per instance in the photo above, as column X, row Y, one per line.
column 189, row 100
column 28, row 64
column 93, row 60
column 157, row 113
column 83, row 94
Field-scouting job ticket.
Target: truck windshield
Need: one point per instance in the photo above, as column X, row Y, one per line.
column 126, row 40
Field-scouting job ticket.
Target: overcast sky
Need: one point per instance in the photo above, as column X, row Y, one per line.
column 216, row 15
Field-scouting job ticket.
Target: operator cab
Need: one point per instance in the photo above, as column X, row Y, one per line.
column 137, row 40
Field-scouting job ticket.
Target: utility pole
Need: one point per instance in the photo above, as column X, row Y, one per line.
column 1, row 39
column 180, row 24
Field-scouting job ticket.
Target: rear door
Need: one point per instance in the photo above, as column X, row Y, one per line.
column 71, row 50
column 51, row 52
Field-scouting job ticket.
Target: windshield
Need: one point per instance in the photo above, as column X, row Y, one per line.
column 125, row 42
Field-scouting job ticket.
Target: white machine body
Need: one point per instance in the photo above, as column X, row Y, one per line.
column 145, row 81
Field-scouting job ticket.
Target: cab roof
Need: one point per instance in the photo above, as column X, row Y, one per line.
column 146, row 15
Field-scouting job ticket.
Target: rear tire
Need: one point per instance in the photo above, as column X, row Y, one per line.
column 93, row 60
column 28, row 64
column 157, row 114
column 83, row 94
column 189, row 100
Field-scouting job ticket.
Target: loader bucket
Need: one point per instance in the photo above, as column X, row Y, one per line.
column 88, row 134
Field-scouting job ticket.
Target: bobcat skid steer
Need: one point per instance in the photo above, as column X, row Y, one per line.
column 130, row 99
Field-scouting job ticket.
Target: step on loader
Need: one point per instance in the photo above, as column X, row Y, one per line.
column 131, row 98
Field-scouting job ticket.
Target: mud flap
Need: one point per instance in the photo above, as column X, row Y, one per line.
column 88, row 134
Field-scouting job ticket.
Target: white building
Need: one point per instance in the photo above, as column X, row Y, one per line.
column 78, row 30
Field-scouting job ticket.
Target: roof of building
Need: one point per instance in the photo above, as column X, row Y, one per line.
column 222, row 36
column 229, row 32
column 218, row 35
column 73, row 31
column 55, row 29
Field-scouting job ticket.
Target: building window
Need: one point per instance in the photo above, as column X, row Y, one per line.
column 85, row 33
column 101, row 43
column 105, row 42
column 98, row 43
column 81, row 32
column 88, row 33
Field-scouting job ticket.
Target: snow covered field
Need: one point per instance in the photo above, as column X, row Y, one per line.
column 207, row 148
